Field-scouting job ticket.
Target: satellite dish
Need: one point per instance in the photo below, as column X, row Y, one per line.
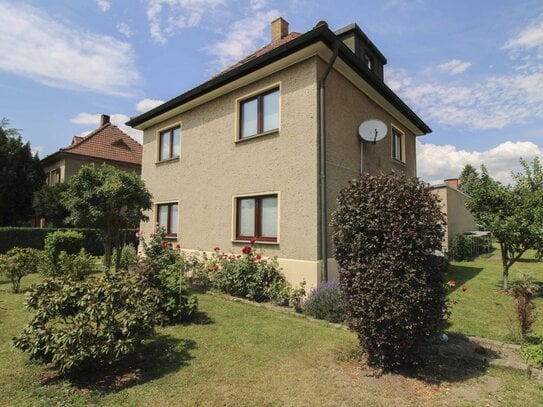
column 372, row 130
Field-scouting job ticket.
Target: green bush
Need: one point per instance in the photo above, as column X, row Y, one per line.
column 387, row 228
column 532, row 353
column 68, row 241
column 17, row 263
column 86, row 324
column 170, row 267
column 35, row 238
column 129, row 257
column 77, row 266
column 325, row 302
column 461, row 248
column 248, row 275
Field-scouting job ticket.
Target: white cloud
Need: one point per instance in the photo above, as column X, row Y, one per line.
column 34, row 45
column 104, row 5
column 530, row 37
column 118, row 120
column 258, row 4
column 148, row 104
column 436, row 163
column 242, row 38
column 454, row 66
column 166, row 17
column 124, row 29
column 493, row 101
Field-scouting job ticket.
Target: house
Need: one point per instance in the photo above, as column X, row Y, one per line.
column 453, row 205
column 262, row 149
column 107, row 144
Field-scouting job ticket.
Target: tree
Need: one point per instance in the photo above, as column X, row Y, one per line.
column 47, row 203
column 513, row 213
column 387, row 228
column 20, row 175
column 108, row 199
column 467, row 178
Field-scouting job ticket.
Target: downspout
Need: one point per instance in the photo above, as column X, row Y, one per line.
column 322, row 158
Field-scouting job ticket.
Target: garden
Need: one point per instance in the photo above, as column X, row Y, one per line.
column 173, row 327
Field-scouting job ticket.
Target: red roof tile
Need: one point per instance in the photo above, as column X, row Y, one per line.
column 262, row 51
column 109, row 143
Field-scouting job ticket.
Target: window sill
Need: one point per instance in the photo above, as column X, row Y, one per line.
column 257, row 242
column 167, row 160
column 267, row 133
column 398, row 161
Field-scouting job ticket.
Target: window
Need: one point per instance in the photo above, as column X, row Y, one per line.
column 259, row 114
column 167, row 215
column 53, row 177
column 397, row 145
column 256, row 217
column 169, row 143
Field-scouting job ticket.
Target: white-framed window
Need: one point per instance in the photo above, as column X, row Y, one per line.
column 398, row 145
column 167, row 216
column 169, row 143
column 259, row 114
column 257, row 217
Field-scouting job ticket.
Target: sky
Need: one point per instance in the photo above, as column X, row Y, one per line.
column 472, row 70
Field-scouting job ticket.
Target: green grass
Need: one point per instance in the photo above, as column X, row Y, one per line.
column 484, row 309
column 238, row 354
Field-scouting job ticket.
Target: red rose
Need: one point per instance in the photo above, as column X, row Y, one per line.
column 253, row 240
column 246, row 250
column 464, row 288
column 217, row 248
column 178, row 246
column 258, row 257
column 216, row 267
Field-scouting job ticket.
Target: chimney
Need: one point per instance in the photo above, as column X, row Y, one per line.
column 104, row 119
column 452, row 182
column 279, row 29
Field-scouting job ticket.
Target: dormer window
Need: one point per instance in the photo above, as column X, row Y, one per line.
column 368, row 61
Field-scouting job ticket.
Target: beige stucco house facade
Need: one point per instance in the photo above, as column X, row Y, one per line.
column 262, row 149
column 453, row 205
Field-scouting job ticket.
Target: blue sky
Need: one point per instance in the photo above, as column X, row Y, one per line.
column 473, row 70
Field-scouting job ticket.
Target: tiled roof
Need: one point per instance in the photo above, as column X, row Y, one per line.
column 109, row 143
column 262, row 51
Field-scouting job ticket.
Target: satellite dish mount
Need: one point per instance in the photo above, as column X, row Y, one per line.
column 372, row 130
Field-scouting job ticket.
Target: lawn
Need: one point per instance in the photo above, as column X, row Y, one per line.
column 484, row 309
column 239, row 354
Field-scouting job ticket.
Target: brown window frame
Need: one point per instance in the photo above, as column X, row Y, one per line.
column 259, row 114
column 169, row 218
column 170, row 133
column 258, row 218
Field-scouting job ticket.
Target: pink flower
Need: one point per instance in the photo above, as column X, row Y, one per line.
column 246, row 250
column 217, row 248
column 253, row 240
column 452, row 283
column 216, row 267
column 464, row 288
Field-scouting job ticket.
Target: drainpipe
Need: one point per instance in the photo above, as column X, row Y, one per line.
column 322, row 157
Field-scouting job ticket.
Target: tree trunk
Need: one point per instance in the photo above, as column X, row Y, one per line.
column 505, row 278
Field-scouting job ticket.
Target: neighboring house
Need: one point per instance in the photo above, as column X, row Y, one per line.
column 453, row 205
column 107, row 144
column 262, row 149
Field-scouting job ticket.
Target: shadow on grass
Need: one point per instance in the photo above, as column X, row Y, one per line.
column 200, row 318
column 158, row 357
column 461, row 274
column 458, row 360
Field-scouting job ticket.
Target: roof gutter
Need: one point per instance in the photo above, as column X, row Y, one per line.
column 322, row 158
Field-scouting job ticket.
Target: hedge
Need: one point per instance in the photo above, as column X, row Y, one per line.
column 35, row 237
